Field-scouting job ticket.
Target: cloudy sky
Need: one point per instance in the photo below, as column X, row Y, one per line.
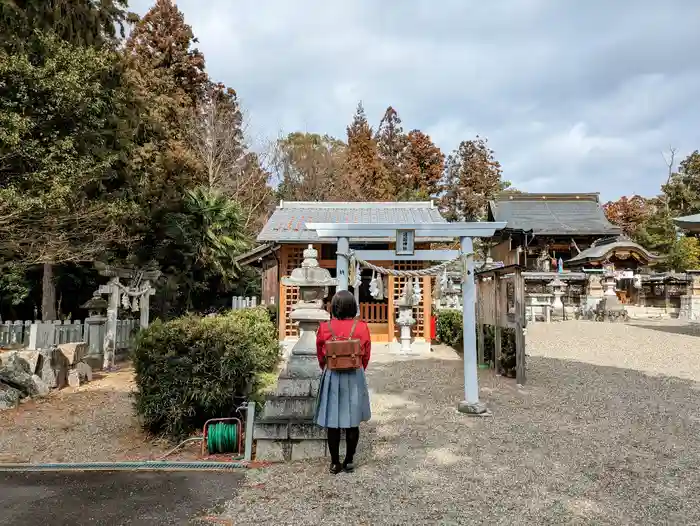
column 572, row 95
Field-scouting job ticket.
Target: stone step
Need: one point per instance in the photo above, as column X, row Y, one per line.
column 297, row 387
column 301, row 367
column 278, row 429
column 298, row 407
column 289, row 450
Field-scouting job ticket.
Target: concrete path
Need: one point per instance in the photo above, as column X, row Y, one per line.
column 113, row 498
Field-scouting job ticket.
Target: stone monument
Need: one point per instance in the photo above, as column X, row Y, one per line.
column 690, row 301
column 286, row 430
column 96, row 320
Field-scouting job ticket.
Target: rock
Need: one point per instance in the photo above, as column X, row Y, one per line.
column 41, row 387
column 84, row 371
column 54, row 368
column 16, row 375
column 73, row 378
column 30, row 358
column 15, row 361
column 73, row 352
column 46, row 371
column 9, row 396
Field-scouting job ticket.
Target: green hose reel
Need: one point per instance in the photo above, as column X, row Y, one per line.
column 222, row 437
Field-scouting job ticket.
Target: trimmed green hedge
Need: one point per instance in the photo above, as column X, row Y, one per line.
column 191, row 369
column 449, row 331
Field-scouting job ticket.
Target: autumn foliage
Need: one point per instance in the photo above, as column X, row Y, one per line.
column 629, row 213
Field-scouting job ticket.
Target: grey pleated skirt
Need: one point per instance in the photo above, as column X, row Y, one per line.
column 343, row 399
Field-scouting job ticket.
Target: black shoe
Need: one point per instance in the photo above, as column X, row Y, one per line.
column 335, row 469
column 348, row 467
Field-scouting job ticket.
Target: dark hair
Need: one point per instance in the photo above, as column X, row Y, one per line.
column 343, row 305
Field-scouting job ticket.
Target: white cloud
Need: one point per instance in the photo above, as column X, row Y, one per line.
column 573, row 96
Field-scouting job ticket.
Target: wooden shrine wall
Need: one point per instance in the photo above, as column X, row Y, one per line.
column 291, row 257
column 421, row 313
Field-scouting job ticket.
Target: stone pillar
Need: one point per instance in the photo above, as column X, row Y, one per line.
column 110, row 340
column 286, row 430
column 145, row 304
column 690, row 301
column 95, row 334
column 342, row 269
column 470, row 404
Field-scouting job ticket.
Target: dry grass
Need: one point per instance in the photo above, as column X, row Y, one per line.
column 605, row 432
column 94, row 422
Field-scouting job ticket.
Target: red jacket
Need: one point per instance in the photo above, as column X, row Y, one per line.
column 341, row 328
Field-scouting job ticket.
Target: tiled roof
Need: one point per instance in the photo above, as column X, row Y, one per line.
column 691, row 223
column 604, row 247
column 287, row 223
column 552, row 214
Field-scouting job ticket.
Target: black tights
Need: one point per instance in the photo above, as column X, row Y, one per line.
column 352, row 437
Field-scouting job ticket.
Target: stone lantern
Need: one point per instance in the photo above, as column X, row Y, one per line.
column 286, row 430
column 96, row 324
column 96, row 306
column 405, row 321
column 557, row 287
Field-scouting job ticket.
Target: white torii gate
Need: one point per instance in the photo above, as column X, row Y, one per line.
column 405, row 234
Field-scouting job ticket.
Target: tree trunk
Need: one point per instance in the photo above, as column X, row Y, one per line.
column 48, row 294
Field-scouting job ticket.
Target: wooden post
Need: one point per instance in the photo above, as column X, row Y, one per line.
column 519, row 300
column 479, row 322
column 390, row 308
column 427, row 304
column 497, row 347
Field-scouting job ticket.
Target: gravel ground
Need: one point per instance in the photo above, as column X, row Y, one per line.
column 605, row 432
column 93, row 422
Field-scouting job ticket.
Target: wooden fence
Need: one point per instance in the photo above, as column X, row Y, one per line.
column 374, row 312
column 500, row 303
column 37, row 334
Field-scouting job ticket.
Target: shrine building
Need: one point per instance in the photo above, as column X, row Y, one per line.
column 285, row 236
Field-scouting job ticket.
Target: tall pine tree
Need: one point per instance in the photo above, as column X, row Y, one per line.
column 79, row 22
column 472, row 177
column 68, row 108
column 424, row 167
column 366, row 173
column 169, row 78
column 391, row 146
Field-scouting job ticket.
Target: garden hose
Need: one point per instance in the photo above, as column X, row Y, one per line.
column 222, row 437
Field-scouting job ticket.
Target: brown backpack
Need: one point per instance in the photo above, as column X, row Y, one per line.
column 343, row 355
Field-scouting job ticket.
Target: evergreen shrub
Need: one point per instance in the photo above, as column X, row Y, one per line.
column 193, row 368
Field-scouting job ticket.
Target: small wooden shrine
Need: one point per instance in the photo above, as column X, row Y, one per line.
column 285, row 236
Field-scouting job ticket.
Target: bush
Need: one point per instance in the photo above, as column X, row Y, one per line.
column 191, row 369
column 449, row 328
column 449, row 331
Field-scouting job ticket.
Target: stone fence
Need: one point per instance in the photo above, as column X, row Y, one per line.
column 42, row 335
column 239, row 302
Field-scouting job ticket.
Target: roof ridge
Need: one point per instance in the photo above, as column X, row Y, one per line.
column 547, row 196
column 286, row 205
